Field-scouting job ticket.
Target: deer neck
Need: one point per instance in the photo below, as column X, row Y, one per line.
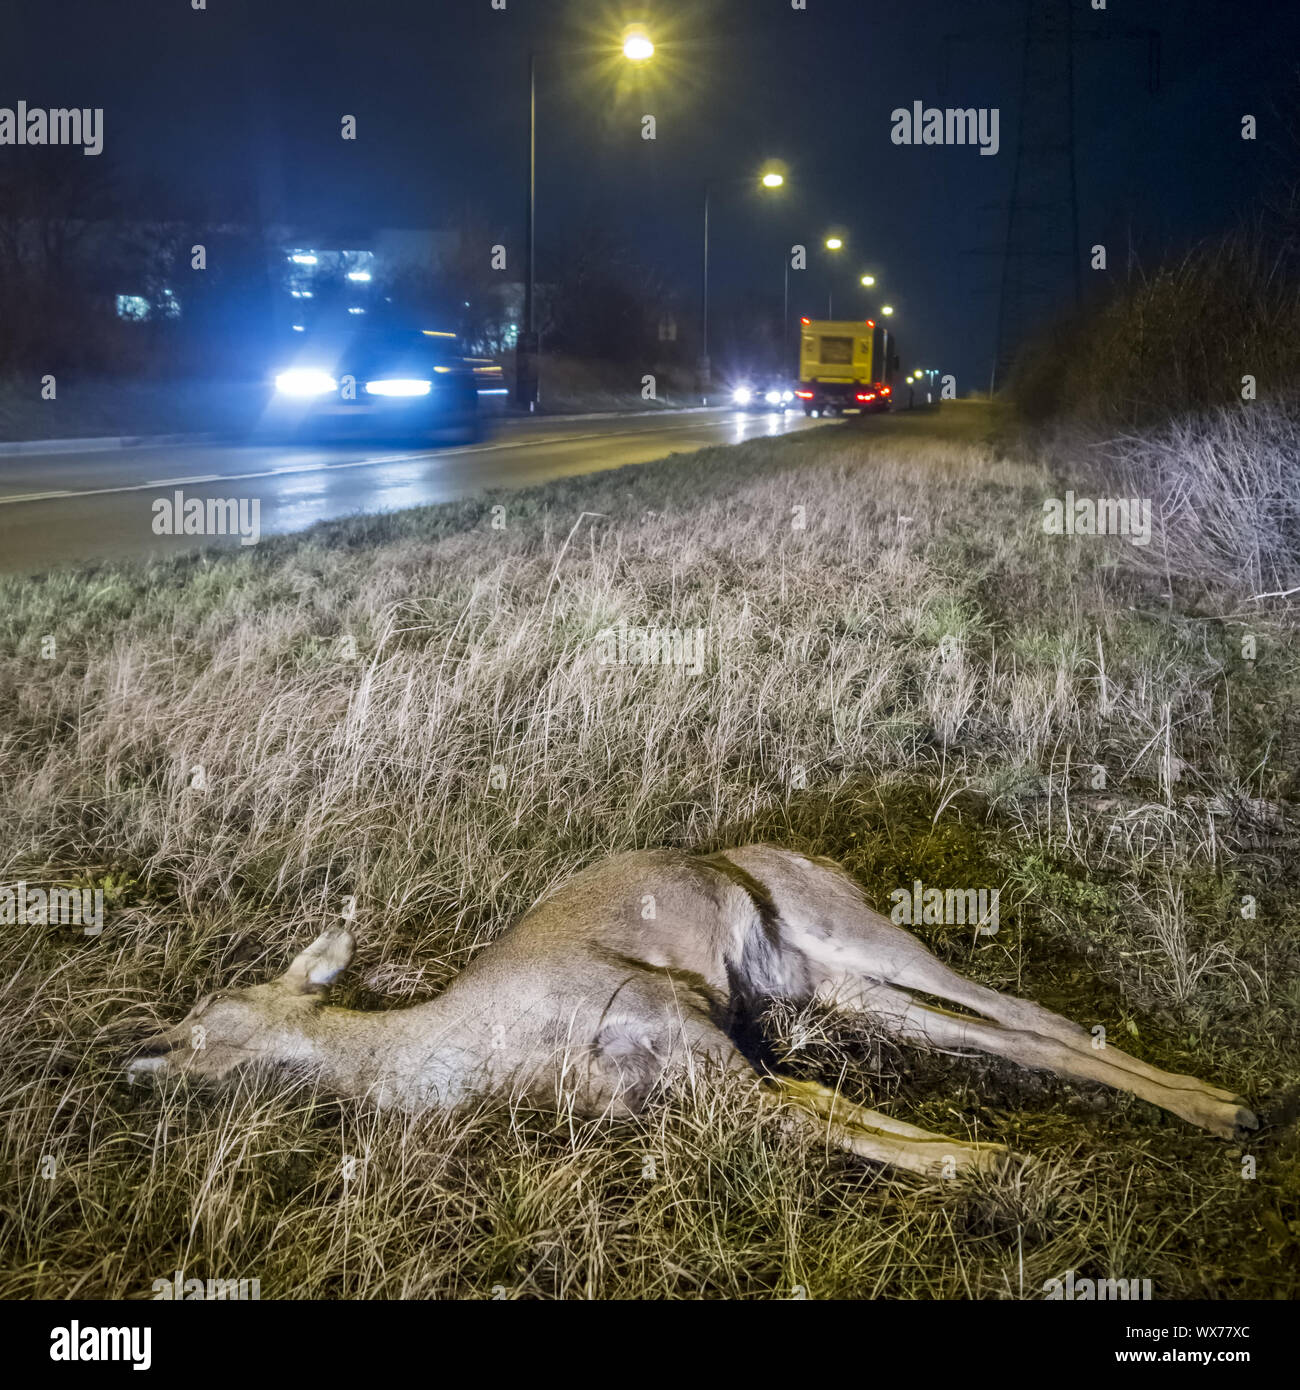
column 422, row 1057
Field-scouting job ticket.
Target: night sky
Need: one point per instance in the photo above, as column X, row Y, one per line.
column 240, row 105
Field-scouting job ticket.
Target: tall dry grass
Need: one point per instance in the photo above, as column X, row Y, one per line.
column 408, row 710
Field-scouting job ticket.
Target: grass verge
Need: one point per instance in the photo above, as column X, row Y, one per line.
column 902, row 671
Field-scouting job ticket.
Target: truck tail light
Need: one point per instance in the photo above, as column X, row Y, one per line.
column 804, row 395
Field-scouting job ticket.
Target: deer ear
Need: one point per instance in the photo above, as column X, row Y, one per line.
column 316, row 968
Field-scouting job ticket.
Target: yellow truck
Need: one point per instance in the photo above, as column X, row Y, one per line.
column 836, row 367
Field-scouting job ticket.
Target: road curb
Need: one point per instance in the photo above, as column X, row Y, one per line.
column 98, row 443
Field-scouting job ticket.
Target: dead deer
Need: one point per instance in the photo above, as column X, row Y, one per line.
column 645, row 970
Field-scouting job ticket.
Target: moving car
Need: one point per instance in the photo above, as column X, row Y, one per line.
column 394, row 383
column 766, row 395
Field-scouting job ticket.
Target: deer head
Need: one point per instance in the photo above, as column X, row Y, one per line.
column 262, row 1023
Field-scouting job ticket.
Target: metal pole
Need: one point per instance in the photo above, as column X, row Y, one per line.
column 884, row 376
column 785, row 318
column 526, row 348
column 704, row 326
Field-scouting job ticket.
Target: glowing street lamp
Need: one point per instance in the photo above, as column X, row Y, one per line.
column 772, row 177
column 834, row 243
column 868, row 280
column 637, row 46
column 886, row 308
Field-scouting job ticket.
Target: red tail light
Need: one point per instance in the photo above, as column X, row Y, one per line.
column 885, row 390
column 804, row 395
column 871, row 323
column 803, row 320
column 866, row 395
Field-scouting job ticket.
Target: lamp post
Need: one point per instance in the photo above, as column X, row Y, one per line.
column 832, row 243
column 886, row 309
column 526, row 343
column 772, row 179
column 637, row 48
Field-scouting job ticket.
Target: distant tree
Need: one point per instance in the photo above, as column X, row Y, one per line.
column 54, row 207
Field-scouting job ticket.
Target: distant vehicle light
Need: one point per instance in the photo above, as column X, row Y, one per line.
column 399, row 386
column 804, row 395
column 804, row 320
column 866, row 395
column 885, row 390
column 773, row 398
column 742, row 395
column 305, row 381
column 787, row 396
column 361, row 275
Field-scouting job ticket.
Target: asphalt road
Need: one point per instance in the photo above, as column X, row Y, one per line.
column 58, row 510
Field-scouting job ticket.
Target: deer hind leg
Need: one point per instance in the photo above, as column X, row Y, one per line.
column 905, row 1018
column 823, row 1113
column 930, row 975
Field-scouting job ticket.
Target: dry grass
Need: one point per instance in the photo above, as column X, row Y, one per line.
column 920, row 697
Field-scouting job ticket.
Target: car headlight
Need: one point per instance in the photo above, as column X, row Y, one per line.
column 773, row 398
column 305, row 381
column 787, row 396
column 399, row 386
column 742, row 395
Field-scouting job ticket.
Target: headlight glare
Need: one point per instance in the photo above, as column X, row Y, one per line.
column 305, row 381
column 399, row 386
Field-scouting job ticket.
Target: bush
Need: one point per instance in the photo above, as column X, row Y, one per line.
column 1170, row 344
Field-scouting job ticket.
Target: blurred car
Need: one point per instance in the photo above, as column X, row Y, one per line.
column 393, row 383
column 765, row 395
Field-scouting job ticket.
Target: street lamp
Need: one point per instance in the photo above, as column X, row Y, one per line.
column 868, row 280
column 637, row 48
column 832, row 243
column 772, row 177
column 886, row 309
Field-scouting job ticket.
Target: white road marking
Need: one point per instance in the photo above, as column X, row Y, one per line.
column 351, row 463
